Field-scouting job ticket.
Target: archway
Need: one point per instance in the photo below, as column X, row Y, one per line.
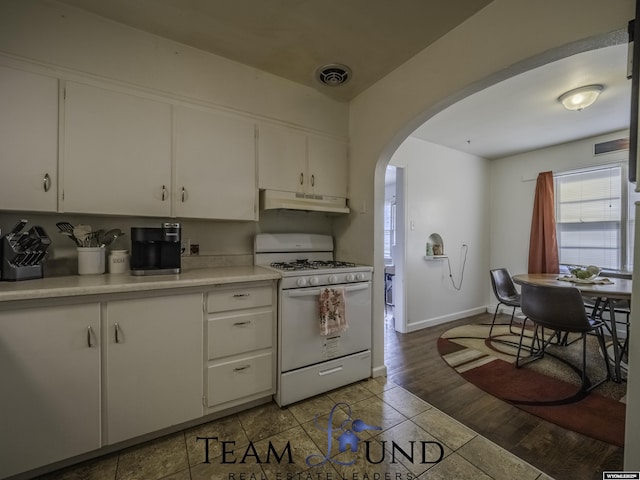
column 524, row 66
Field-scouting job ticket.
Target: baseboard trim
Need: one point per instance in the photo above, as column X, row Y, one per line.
column 432, row 322
column 379, row 371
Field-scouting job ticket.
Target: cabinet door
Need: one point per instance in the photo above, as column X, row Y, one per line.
column 28, row 141
column 117, row 153
column 50, row 383
column 328, row 167
column 215, row 165
column 282, row 159
column 154, row 364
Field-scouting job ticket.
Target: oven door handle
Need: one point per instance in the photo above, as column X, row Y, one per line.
column 308, row 292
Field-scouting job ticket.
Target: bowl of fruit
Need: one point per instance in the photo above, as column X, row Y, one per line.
column 585, row 273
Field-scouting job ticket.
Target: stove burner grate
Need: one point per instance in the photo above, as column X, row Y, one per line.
column 310, row 265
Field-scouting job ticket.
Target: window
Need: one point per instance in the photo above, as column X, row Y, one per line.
column 389, row 228
column 595, row 217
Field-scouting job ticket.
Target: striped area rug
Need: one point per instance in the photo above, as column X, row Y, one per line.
column 548, row 388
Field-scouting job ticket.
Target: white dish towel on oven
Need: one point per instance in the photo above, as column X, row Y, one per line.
column 332, row 317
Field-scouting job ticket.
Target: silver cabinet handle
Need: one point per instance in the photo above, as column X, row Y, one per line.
column 164, row 193
column 116, row 328
column 47, row 182
column 330, row 371
column 89, row 335
column 184, row 194
column 302, row 179
column 239, row 369
column 241, row 324
column 240, row 295
column 313, row 180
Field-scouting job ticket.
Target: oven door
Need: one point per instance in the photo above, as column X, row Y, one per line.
column 301, row 343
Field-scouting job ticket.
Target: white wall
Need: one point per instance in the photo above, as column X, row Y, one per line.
column 513, row 184
column 446, row 194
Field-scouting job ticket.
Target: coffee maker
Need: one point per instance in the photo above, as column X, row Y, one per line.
column 156, row 250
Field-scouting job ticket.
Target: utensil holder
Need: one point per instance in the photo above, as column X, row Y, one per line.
column 91, row 260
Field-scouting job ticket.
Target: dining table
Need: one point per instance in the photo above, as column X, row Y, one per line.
column 606, row 292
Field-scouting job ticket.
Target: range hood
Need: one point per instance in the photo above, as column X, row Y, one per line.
column 276, row 199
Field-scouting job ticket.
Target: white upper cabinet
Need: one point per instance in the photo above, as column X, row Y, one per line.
column 294, row 161
column 117, row 153
column 215, row 165
column 28, row 141
column 328, row 166
column 282, row 158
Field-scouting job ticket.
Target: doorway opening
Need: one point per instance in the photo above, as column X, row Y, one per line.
column 394, row 249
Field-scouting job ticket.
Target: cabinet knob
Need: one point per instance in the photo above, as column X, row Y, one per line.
column 302, row 179
column 116, row 328
column 46, row 182
column 184, row 194
column 164, row 193
column 313, row 180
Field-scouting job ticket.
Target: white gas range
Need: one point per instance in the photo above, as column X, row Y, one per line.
column 311, row 361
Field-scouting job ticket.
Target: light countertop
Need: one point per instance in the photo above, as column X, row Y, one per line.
column 77, row 285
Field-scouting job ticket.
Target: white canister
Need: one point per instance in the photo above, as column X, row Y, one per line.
column 118, row 261
column 91, row 260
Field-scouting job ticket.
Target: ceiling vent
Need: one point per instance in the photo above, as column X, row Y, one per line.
column 333, row 75
column 611, row 146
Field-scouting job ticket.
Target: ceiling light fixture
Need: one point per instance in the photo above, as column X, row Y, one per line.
column 580, row 98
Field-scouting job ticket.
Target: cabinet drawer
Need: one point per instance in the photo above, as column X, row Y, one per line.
column 239, row 333
column 239, row 297
column 239, row 378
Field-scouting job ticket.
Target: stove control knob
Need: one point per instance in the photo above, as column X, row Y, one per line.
column 333, row 279
column 301, row 282
column 350, row 277
column 361, row 277
column 314, row 281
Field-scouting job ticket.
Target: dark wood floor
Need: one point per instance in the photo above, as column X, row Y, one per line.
column 413, row 361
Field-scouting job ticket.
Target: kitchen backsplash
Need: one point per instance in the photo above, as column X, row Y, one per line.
column 219, row 243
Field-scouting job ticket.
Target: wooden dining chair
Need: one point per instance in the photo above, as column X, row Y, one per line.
column 506, row 293
column 560, row 309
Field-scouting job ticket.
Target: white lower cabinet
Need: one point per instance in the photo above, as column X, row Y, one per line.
column 240, row 333
column 49, row 384
column 78, row 377
column 153, row 364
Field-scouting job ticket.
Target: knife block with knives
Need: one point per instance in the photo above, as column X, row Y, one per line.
column 23, row 252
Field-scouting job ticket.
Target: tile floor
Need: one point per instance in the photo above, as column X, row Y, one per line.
column 270, row 443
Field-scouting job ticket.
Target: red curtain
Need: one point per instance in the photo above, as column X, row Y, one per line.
column 543, row 243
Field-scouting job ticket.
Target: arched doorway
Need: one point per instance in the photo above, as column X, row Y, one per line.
column 384, row 160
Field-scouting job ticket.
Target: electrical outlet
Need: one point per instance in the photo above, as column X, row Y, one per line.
column 194, row 249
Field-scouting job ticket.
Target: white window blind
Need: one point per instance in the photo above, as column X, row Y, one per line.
column 589, row 217
column 389, row 228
